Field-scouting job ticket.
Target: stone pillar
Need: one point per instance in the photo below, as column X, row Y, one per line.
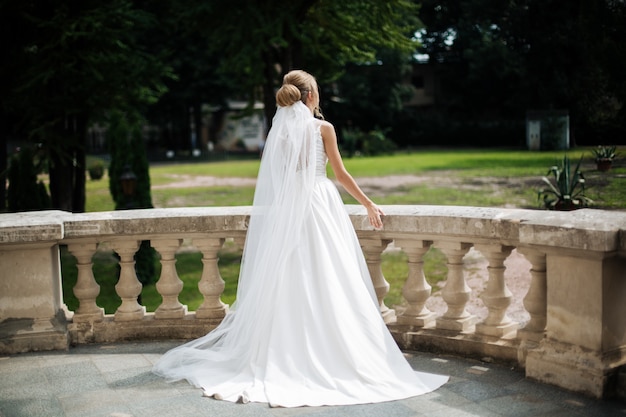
column 86, row 289
column 32, row 313
column 584, row 343
column 372, row 249
column 211, row 284
column 416, row 290
column 169, row 284
column 128, row 287
column 456, row 292
column 496, row 297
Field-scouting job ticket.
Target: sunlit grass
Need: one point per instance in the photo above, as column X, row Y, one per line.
column 484, row 162
column 203, row 196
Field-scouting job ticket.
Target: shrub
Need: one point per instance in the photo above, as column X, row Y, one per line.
column 96, row 170
column 25, row 191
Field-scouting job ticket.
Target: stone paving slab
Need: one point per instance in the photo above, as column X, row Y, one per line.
column 115, row 381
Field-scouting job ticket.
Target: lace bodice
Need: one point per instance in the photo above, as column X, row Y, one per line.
column 321, row 159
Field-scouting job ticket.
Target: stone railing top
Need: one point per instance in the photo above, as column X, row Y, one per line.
column 152, row 221
column 32, row 226
column 587, row 229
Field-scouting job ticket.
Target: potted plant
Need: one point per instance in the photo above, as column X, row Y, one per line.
column 604, row 156
column 566, row 191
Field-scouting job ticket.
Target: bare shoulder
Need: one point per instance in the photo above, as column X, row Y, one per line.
column 327, row 129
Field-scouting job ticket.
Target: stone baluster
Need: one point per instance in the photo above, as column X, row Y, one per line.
column 372, row 249
column 496, row 297
column 456, row 292
column 416, row 289
column 240, row 241
column 211, row 284
column 535, row 300
column 128, row 287
column 86, row 289
column 169, row 284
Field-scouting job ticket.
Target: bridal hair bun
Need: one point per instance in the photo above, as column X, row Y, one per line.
column 287, row 95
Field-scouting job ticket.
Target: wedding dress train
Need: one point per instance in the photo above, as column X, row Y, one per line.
column 306, row 327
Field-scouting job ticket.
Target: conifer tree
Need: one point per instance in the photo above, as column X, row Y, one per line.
column 128, row 155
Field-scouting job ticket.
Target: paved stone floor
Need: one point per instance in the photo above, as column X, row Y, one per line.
column 115, row 381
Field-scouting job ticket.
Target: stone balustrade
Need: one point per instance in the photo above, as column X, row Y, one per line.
column 575, row 337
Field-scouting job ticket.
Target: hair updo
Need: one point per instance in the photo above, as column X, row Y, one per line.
column 296, row 86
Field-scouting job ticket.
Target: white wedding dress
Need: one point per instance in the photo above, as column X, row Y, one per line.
column 306, row 327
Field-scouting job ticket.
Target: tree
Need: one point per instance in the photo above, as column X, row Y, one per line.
column 193, row 59
column 77, row 60
column 128, row 155
column 26, row 192
column 499, row 59
column 264, row 40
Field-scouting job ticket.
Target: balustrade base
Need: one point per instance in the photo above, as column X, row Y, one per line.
column 110, row 330
column 213, row 313
column 89, row 317
column 468, row 345
column 27, row 335
column 135, row 315
column 179, row 313
column 424, row 320
column 497, row 331
column 389, row 315
column 585, row 371
column 466, row 324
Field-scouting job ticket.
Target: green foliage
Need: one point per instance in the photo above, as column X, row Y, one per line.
column 25, row 191
column 567, row 192
column 127, row 150
column 372, row 143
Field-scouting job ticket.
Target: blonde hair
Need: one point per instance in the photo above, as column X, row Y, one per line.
column 296, row 85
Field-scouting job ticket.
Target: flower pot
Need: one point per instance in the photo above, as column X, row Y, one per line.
column 565, row 206
column 604, row 164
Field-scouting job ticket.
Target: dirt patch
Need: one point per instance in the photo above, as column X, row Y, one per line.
column 193, row 181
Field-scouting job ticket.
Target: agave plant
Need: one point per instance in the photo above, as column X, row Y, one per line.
column 566, row 191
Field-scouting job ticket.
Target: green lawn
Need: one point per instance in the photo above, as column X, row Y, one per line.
column 483, row 178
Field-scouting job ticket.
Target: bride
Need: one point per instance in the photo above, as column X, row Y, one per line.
column 305, row 328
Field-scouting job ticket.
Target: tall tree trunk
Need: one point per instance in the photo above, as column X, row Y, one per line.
column 61, row 178
column 67, row 165
column 80, row 165
column 269, row 99
column 4, row 133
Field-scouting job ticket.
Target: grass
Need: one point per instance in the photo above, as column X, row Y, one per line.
column 482, row 178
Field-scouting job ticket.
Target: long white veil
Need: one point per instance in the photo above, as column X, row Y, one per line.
column 281, row 203
column 281, row 199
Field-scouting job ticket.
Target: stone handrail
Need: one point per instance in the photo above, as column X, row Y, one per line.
column 575, row 338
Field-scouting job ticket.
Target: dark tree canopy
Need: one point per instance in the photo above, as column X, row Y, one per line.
column 501, row 58
column 75, row 60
